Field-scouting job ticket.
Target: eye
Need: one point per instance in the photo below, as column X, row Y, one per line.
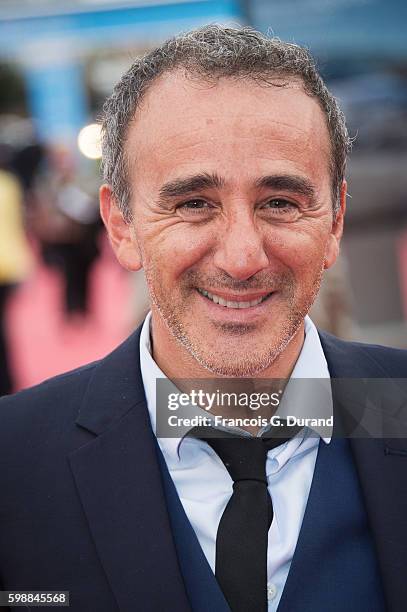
column 279, row 208
column 194, row 205
column 279, row 204
column 195, row 208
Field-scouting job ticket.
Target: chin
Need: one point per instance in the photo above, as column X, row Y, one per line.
column 236, row 359
column 231, row 349
column 242, row 369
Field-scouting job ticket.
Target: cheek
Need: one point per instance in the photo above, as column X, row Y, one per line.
column 302, row 253
column 177, row 249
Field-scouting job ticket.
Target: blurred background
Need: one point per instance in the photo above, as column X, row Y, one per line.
column 64, row 300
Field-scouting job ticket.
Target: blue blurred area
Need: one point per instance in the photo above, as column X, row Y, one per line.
column 50, row 40
column 95, row 24
column 57, row 100
column 352, row 29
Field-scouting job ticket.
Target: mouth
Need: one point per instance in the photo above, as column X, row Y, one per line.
column 235, row 301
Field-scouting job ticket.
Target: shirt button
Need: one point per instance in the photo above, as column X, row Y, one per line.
column 271, row 591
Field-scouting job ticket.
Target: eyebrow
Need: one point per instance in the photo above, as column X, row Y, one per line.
column 190, row 184
column 287, row 182
column 199, row 182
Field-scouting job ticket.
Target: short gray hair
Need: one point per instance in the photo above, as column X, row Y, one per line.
column 212, row 52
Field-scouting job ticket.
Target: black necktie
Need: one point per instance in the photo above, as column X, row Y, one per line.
column 241, row 541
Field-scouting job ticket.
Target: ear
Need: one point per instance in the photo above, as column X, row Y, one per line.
column 332, row 249
column 121, row 233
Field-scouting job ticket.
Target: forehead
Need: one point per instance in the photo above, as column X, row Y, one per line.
column 184, row 122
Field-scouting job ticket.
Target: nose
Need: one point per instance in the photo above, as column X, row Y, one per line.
column 240, row 251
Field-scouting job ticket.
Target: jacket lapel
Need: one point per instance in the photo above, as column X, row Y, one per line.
column 381, row 465
column 119, row 482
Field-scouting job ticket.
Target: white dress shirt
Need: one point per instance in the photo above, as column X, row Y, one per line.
column 204, row 485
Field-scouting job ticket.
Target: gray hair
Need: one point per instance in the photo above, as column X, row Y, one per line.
column 213, row 52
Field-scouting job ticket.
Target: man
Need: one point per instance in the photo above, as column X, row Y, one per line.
column 224, row 158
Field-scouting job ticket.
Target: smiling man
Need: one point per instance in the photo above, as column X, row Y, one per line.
column 224, row 157
column 233, row 214
column 235, row 210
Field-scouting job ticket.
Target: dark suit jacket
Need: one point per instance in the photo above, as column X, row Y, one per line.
column 82, row 505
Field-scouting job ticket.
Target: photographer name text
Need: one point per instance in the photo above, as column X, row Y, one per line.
column 255, row 421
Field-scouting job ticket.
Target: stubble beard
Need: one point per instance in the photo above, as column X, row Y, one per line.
column 222, row 362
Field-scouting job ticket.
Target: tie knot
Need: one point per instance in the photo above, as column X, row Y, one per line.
column 244, row 457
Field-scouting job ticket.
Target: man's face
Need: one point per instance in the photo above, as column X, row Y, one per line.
column 232, row 215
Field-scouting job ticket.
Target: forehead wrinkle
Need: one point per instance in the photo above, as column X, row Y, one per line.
column 307, row 115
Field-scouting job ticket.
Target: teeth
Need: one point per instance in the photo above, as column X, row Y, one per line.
column 222, row 302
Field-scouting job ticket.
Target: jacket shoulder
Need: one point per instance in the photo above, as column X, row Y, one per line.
column 386, row 361
column 55, row 399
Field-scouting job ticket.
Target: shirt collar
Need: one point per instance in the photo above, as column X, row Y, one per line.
column 314, row 399
column 311, row 364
